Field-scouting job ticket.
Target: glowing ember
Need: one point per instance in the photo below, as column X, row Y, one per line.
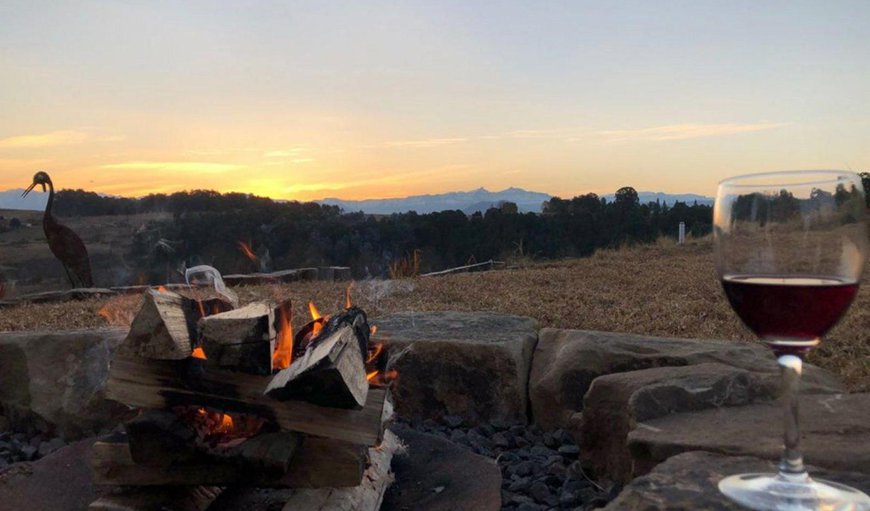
column 198, row 352
column 373, row 330
column 218, row 429
column 246, row 250
column 162, row 289
column 283, row 354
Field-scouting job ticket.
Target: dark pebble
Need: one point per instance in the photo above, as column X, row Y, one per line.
column 501, row 440
column 454, row 421
column 570, row 451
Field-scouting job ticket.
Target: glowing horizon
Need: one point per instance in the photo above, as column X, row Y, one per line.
column 384, row 100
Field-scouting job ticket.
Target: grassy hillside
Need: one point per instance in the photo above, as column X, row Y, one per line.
column 662, row 289
column 26, row 259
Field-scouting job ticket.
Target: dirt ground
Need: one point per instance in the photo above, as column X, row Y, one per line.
column 660, row 289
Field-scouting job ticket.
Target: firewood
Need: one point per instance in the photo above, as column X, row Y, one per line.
column 319, row 463
column 197, row 498
column 161, row 438
column 331, row 373
column 157, row 384
column 163, row 327
column 367, row 496
column 241, row 339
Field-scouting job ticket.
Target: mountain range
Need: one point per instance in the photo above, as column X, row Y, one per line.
column 12, row 199
column 480, row 199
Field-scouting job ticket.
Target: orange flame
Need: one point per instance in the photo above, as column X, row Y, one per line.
column 373, row 330
column 371, row 376
column 162, row 289
column 198, row 352
column 347, row 301
column 315, row 316
column 375, row 352
column 246, row 250
column 283, row 354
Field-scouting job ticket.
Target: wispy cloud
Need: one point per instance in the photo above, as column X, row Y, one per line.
column 54, row 138
column 426, row 142
column 686, row 131
column 284, row 153
column 174, row 166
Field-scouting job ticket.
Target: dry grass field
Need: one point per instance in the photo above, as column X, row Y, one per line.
column 660, row 289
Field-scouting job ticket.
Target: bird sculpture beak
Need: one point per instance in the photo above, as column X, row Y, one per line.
column 28, row 189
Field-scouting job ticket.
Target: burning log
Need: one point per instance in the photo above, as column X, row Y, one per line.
column 158, row 384
column 161, row 438
column 163, row 327
column 318, row 463
column 241, row 339
column 331, row 372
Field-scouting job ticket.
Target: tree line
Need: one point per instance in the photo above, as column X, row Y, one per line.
column 207, row 226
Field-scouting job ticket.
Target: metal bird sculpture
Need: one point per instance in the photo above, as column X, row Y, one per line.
column 65, row 244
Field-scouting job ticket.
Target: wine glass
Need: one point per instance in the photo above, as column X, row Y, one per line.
column 790, row 248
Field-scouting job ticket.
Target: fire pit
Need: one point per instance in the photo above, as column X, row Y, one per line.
column 232, row 396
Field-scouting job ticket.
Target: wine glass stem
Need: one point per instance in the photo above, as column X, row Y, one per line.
column 792, row 464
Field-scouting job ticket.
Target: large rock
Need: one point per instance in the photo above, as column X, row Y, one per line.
column 615, row 403
column 835, row 433
column 688, row 482
column 474, row 365
column 59, row 482
column 438, row 475
column 566, row 362
column 56, row 380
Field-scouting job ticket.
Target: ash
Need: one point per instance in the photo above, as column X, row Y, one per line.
column 540, row 470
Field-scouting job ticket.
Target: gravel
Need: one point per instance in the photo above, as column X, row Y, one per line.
column 17, row 446
column 540, row 470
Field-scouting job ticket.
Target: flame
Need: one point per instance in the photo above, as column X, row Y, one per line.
column 371, row 376
column 246, row 250
column 378, row 378
column 226, row 424
column 315, row 316
column 215, row 428
column 198, row 352
column 283, row 354
column 347, row 301
column 373, row 330
column 375, row 352
column 162, row 289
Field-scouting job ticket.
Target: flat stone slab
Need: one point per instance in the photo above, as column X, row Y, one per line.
column 439, row 475
column 835, row 433
column 567, row 361
column 56, row 380
column 470, row 364
column 615, row 403
column 59, row 482
column 688, row 482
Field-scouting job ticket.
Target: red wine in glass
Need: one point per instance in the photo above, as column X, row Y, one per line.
column 790, row 314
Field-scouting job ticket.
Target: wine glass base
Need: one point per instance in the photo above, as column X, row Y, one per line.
column 774, row 492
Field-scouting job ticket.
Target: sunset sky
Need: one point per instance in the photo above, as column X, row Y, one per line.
column 305, row 100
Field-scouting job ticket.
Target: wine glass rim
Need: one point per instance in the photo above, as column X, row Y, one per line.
column 834, row 175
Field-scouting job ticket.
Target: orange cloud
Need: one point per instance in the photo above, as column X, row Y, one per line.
column 55, row 138
column 686, row 131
